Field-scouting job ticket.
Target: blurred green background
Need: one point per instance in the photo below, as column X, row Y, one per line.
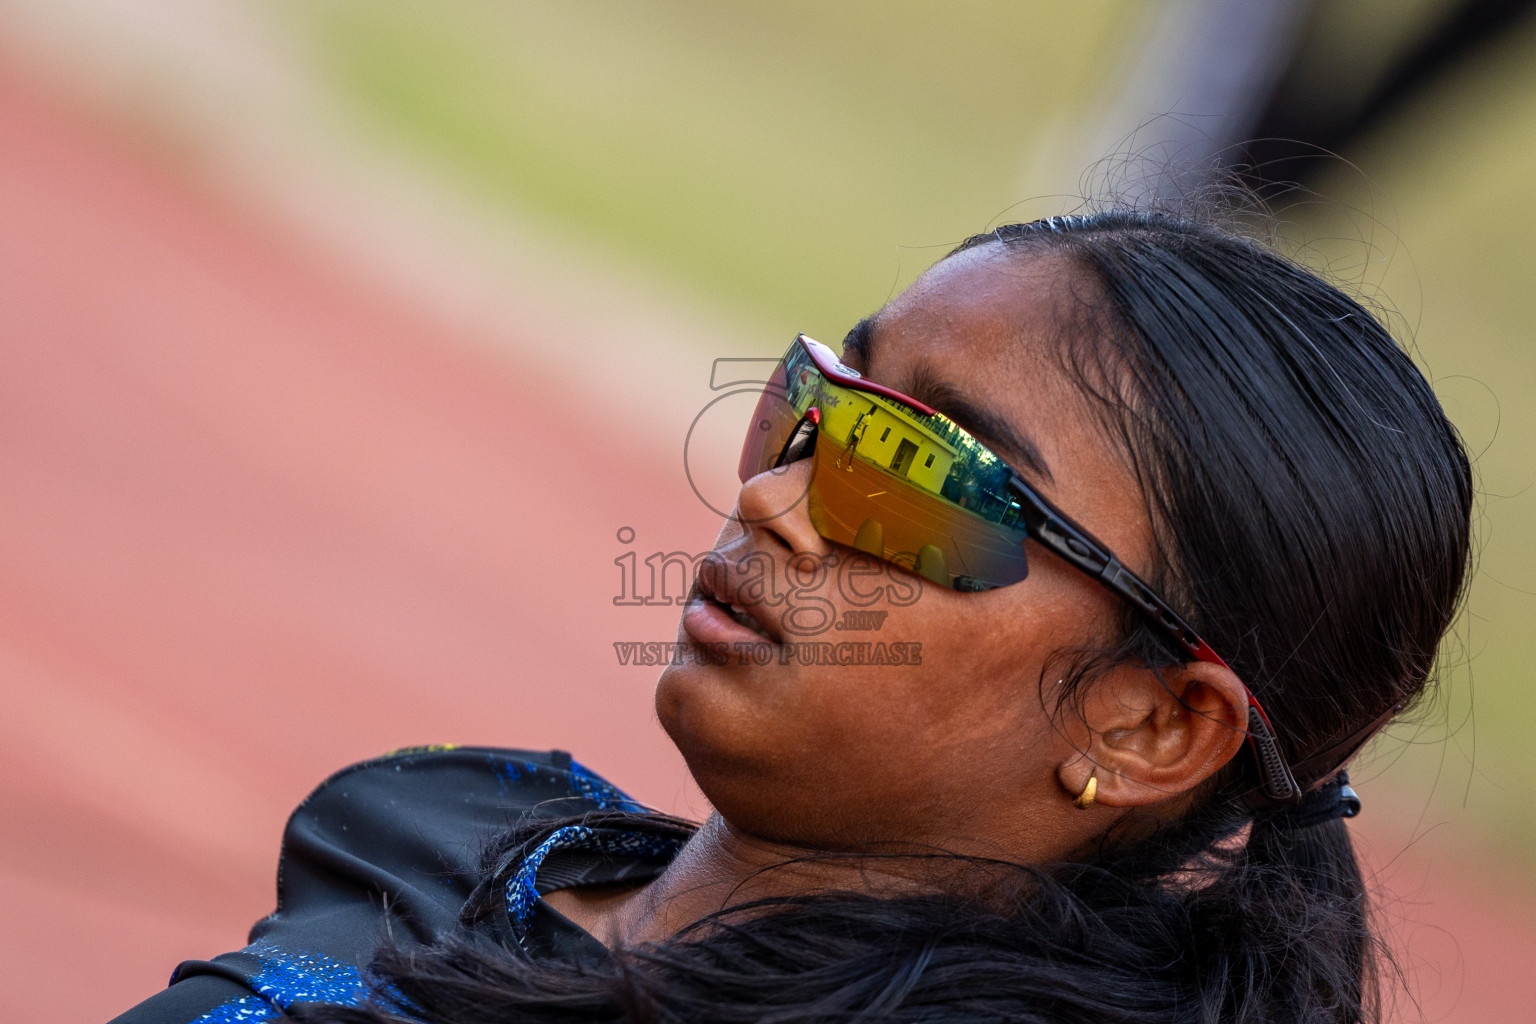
column 794, row 159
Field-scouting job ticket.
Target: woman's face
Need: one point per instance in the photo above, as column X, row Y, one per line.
column 963, row 745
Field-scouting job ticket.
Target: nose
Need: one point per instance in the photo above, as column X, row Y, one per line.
column 778, row 501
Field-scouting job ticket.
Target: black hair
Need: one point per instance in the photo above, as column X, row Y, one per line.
column 1312, row 506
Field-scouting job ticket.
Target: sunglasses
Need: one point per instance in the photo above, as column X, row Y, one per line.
column 900, row 481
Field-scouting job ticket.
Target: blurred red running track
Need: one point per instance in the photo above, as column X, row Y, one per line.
column 258, row 521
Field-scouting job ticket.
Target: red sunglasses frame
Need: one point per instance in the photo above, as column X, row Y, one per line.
column 1058, row 533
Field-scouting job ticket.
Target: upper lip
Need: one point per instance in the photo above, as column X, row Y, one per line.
column 719, row 584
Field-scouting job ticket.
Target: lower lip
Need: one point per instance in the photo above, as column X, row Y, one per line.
column 708, row 623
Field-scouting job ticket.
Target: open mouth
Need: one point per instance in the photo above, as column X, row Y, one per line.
column 737, row 614
column 744, row 618
column 704, row 592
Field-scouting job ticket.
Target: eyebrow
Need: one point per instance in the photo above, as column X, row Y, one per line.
column 933, row 391
column 858, row 342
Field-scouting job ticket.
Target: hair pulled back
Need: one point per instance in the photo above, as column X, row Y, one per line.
column 1312, row 506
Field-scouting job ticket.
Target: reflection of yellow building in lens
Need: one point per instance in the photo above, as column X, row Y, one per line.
column 884, row 435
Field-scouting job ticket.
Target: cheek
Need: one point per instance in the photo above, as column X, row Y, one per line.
column 979, row 671
column 983, row 659
column 985, row 690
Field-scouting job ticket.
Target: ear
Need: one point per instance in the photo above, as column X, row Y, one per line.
column 1153, row 735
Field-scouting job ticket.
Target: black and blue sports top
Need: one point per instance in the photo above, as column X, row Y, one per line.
column 393, row 846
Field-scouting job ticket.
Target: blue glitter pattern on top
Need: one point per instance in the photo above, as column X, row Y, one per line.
column 522, row 897
column 286, row 977
column 588, row 785
column 244, row 1010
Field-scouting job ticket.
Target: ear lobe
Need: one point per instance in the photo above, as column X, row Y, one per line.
column 1155, row 735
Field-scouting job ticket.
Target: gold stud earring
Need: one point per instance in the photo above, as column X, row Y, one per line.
column 1084, row 799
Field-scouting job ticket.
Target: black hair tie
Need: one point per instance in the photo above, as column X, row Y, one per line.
column 1333, row 799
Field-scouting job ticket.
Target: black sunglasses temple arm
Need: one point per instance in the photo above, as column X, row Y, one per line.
column 1071, row 542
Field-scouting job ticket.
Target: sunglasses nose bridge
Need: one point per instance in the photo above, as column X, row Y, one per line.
column 801, row 442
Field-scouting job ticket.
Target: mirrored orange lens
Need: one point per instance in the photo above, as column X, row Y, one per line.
column 910, row 488
column 879, row 499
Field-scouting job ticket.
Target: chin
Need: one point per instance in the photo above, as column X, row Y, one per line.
column 695, row 712
column 713, row 733
column 745, row 773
